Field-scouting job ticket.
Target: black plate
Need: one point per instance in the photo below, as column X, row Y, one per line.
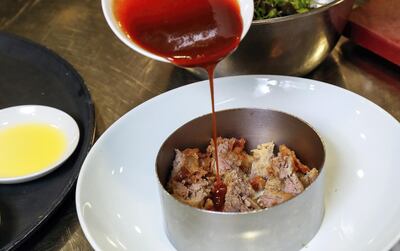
column 32, row 74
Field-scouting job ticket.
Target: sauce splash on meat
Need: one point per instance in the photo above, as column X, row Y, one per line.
column 188, row 33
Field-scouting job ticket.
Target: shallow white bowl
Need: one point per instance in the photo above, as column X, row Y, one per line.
column 117, row 199
column 18, row 115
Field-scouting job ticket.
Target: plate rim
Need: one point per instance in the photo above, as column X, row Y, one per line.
column 141, row 106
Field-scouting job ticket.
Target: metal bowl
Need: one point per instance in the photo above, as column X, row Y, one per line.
column 291, row 45
column 287, row 226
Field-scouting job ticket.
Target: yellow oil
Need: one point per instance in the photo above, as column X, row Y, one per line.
column 29, row 148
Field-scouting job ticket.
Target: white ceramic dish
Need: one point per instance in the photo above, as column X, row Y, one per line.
column 24, row 114
column 246, row 11
column 118, row 203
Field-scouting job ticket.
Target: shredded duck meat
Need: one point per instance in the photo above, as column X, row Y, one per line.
column 259, row 179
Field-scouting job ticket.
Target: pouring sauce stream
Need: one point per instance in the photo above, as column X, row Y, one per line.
column 188, row 33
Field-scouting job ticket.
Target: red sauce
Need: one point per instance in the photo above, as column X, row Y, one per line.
column 188, row 33
column 218, row 195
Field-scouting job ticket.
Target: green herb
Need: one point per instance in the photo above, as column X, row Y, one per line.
column 264, row 9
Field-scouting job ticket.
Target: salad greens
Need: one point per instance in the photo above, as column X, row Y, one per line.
column 264, row 9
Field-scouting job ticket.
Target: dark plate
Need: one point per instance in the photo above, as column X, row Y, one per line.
column 32, row 74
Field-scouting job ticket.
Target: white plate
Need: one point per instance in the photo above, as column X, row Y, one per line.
column 24, row 114
column 117, row 199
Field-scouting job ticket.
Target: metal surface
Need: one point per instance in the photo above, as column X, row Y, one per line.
column 260, row 229
column 291, row 45
column 119, row 79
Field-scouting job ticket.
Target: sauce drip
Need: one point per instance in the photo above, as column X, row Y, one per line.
column 218, row 195
column 188, row 33
column 219, row 190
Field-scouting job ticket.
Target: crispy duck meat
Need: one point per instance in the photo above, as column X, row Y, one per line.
column 261, row 179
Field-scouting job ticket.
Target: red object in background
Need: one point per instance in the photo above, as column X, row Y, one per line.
column 375, row 25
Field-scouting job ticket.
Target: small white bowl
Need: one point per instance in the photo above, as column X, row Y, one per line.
column 246, row 11
column 24, row 114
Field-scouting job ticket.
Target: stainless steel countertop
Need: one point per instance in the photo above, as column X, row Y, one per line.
column 120, row 79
